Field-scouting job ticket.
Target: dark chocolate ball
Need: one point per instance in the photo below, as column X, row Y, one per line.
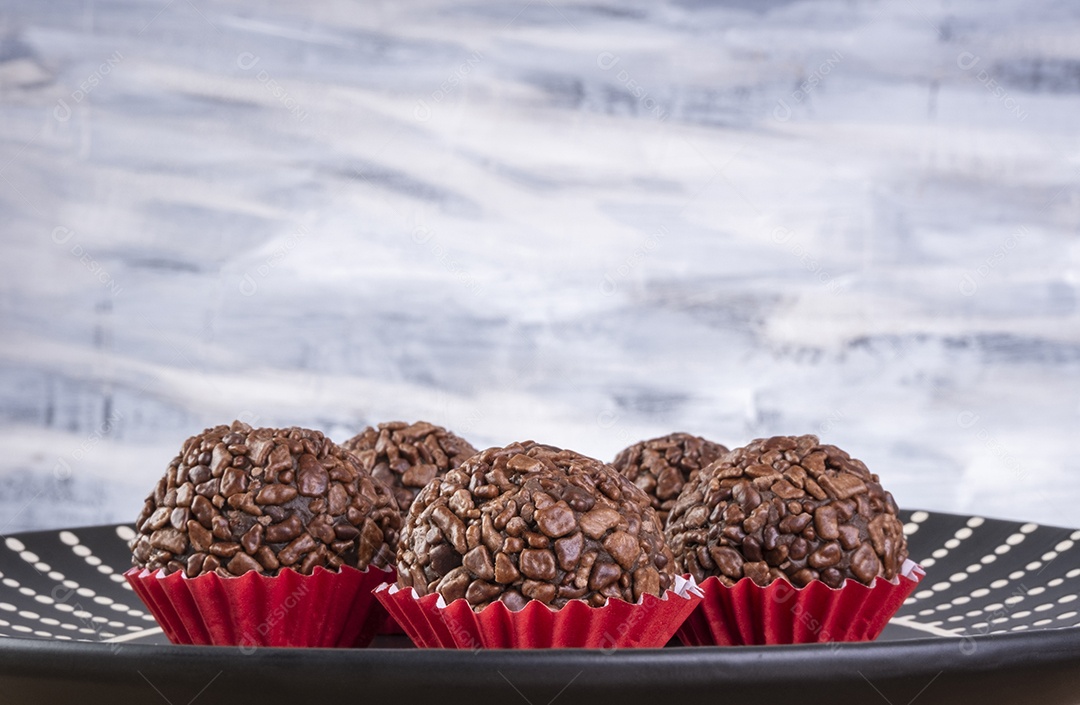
column 662, row 466
column 238, row 499
column 787, row 507
column 533, row 522
column 408, row 456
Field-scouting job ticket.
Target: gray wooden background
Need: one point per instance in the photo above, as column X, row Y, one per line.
column 583, row 223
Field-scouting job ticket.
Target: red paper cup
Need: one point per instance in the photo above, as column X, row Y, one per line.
column 748, row 614
column 431, row 623
column 322, row 609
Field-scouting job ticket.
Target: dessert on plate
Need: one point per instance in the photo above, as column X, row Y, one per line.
column 532, row 545
column 802, row 520
column 246, row 522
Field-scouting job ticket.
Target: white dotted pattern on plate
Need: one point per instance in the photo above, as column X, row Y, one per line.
column 1029, row 580
column 68, row 610
column 1018, row 591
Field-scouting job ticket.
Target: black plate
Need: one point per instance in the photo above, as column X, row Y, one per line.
column 997, row 620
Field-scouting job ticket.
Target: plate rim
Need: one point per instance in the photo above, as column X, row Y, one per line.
column 1009, row 667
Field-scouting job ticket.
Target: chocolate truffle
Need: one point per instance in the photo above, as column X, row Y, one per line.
column 533, row 522
column 787, row 507
column 661, row 466
column 237, row 499
column 408, row 456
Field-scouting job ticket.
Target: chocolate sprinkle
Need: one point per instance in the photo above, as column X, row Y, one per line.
column 533, row 522
column 408, row 456
column 787, row 507
column 238, row 499
column 662, row 466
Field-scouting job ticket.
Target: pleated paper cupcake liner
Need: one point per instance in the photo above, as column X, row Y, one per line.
column 431, row 623
column 326, row 608
column 748, row 614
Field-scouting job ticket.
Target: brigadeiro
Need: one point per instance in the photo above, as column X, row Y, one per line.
column 534, row 546
column 271, row 537
column 408, row 456
column 792, row 541
column 662, row 466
